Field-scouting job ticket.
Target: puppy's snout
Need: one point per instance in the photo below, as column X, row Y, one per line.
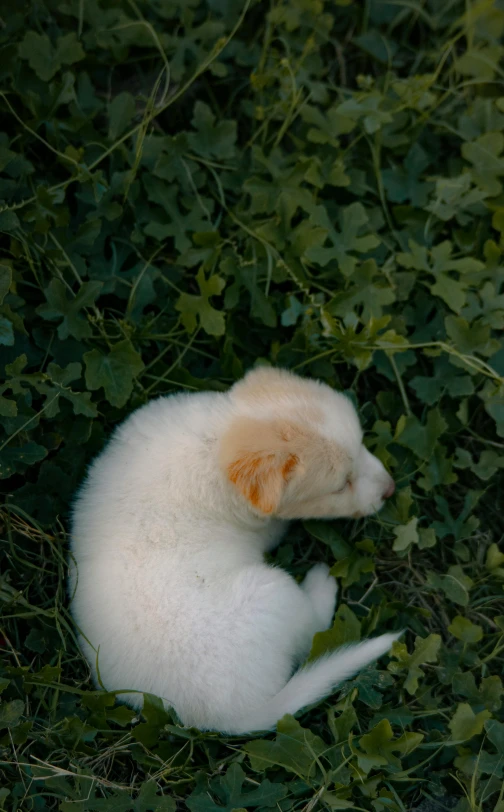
column 390, row 489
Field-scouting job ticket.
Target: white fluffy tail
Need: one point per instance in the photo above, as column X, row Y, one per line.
column 314, row 682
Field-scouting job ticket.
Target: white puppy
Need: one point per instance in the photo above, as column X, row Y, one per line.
column 170, row 590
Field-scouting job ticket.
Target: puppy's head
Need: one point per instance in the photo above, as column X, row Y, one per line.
column 294, row 450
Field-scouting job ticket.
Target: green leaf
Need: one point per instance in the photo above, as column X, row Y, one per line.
column 421, row 439
column 155, row 717
column 468, row 338
column 451, row 197
column 465, row 723
column 332, row 800
column 212, row 140
column 487, row 695
column 294, row 748
column 369, row 290
column 462, row 524
column 8, row 408
column 44, row 58
column 353, row 221
column 495, row 732
column 369, row 684
column 328, row 534
column 282, row 191
column 10, row 713
column 9, row 221
column 121, row 112
column 493, row 397
column 198, row 308
column 481, row 62
column 402, row 182
column 350, row 569
column 115, row 372
column 484, row 153
column 325, row 127
column 59, row 306
column 482, row 763
column 446, row 379
column 406, row 535
column 148, row 799
column 464, row 630
column 426, row 651
column 260, row 305
column 5, row 281
column 6, row 332
column 440, row 263
column 342, row 726
column 494, row 559
column 231, row 795
column 438, row 470
column 16, row 458
column 427, row 538
column 35, row 641
column 455, row 584
column 345, row 629
column 365, row 108
column 174, row 221
column 379, row 747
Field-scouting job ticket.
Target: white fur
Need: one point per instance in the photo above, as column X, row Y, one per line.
column 170, row 590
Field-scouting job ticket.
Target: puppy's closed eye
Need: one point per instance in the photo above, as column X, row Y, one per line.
column 347, row 484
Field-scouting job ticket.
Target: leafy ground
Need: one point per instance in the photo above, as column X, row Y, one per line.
column 191, row 186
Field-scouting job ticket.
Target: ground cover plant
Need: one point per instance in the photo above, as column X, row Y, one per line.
column 190, row 187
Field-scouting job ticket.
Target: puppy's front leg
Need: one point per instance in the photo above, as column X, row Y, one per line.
column 322, row 590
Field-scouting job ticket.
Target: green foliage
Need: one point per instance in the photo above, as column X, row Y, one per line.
column 294, row 748
column 346, row 629
column 229, row 792
column 466, row 724
column 187, row 188
column 426, row 651
column 115, row 371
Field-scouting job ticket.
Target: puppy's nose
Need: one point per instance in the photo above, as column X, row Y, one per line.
column 390, row 490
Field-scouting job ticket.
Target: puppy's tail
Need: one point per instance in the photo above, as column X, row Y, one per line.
column 314, row 682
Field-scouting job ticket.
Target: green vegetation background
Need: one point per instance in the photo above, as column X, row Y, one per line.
column 191, row 186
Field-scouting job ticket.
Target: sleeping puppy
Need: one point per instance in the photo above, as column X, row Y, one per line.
column 170, row 590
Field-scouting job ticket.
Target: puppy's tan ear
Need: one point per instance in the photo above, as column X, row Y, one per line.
column 259, row 459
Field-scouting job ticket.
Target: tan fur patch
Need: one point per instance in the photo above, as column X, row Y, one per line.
column 261, row 458
column 289, row 466
column 255, row 477
column 258, row 460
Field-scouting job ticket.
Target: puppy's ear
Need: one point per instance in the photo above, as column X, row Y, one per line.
column 259, row 458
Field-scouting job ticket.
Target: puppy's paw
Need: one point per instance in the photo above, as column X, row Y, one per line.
column 317, row 576
column 322, row 589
